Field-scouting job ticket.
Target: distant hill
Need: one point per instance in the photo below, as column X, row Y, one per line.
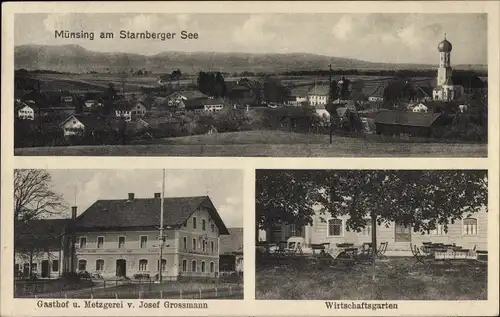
column 76, row 59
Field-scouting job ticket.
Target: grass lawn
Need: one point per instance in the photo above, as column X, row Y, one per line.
column 265, row 144
column 397, row 279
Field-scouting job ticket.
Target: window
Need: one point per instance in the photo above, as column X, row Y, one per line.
column 185, row 224
column 100, row 242
column 184, row 265
column 211, row 246
column 212, row 267
column 212, row 226
column 143, row 265
column 202, row 266
column 144, row 241
column 55, row 265
column 204, row 245
column 194, row 244
column 194, row 222
column 99, row 265
column 17, row 267
column 184, row 243
column 163, row 265
column 121, row 242
column 34, row 267
column 334, row 227
column 82, row 265
column 193, row 266
column 367, row 230
column 439, row 231
column 470, row 227
column 83, row 242
column 203, row 225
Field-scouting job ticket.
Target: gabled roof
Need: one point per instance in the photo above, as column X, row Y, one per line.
column 21, row 105
column 377, row 92
column 232, row 243
column 300, row 91
column 415, row 119
column 89, row 121
column 145, row 212
column 319, row 90
column 39, row 233
column 189, row 94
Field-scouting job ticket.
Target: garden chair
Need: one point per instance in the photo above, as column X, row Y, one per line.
column 417, row 255
column 382, row 248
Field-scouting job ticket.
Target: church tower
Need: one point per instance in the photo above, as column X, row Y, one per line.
column 444, row 70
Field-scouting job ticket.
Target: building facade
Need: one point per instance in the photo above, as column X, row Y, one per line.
column 25, row 112
column 121, row 238
column 469, row 232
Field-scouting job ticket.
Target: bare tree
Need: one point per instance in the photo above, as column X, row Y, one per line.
column 33, row 195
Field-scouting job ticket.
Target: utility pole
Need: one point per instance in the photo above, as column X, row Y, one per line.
column 330, row 102
column 162, row 238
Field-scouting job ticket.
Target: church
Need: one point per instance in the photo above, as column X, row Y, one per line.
column 445, row 89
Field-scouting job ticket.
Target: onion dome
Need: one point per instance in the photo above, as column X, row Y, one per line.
column 445, row 46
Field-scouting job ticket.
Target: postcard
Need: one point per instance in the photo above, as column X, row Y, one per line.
column 250, row 158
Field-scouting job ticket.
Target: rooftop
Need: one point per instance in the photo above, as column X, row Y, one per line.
column 416, row 119
column 145, row 212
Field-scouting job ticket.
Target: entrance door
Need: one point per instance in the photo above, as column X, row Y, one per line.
column 121, row 267
column 402, row 233
column 26, row 269
column 45, row 268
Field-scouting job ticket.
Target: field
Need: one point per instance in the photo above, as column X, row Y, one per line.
column 99, row 82
column 266, row 144
column 396, row 279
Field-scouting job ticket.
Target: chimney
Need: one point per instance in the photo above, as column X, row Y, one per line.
column 73, row 212
column 157, row 195
column 130, row 196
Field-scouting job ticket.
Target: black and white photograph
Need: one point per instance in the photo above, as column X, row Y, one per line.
column 128, row 234
column 371, row 235
column 267, row 85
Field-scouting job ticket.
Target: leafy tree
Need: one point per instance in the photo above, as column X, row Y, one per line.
column 420, row 199
column 33, row 195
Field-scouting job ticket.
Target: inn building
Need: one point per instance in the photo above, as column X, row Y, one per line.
column 120, row 238
column 469, row 232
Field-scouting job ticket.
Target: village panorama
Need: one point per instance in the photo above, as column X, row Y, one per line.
column 325, row 111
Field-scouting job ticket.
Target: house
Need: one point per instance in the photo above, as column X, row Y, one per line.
column 24, row 111
column 299, row 96
column 130, row 110
column 176, row 99
column 376, row 95
column 120, row 237
column 468, row 232
column 401, row 123
column 76, row 125
column 231, row 251
column 319, row 95
column 41, row 245
column 417, row 107
column 91, row 103
column 213, row 105
column 66, row 99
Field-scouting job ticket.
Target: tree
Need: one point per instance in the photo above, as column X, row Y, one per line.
column 419, row 199
column 33, row 196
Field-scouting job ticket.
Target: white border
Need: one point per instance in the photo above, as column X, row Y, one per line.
column 249, row 306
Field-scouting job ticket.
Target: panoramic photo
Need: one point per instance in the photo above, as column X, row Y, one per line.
column 371, row 235
column 308, row 85
column 128, row 234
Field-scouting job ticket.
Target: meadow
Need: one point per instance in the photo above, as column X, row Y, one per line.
column 265, row 144
column 396, row 279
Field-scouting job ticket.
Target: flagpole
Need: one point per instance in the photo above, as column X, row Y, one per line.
column 162, row 240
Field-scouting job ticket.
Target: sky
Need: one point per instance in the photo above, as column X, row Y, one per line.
column 224, row 187
column 376, row 37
